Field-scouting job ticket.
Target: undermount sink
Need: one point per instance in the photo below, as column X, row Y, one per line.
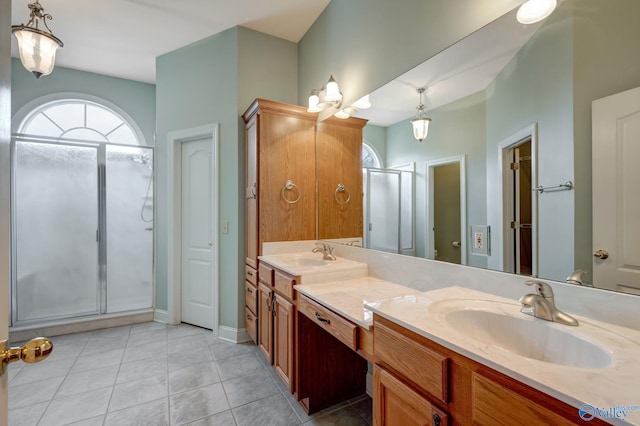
column 503, row 326
column 305, row 261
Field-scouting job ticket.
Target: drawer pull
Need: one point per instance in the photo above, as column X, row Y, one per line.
column 436, row 419
column 325, row 320
column 250, row 273
column 249, row 318
column 249, row 290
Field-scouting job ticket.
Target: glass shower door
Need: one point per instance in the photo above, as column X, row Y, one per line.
column 382, row 198
column 129, row 215
column 56, row 218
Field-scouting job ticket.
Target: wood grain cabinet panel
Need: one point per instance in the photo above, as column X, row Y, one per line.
column 424, row 367
column 251, row 297
column 251, row 324
column 340, row 328
column 284, row 283
column 396, row 404
column 283, row 340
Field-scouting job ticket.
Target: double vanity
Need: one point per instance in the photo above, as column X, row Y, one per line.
column 452, row 355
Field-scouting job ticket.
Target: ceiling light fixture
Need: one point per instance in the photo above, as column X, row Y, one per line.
column 329, row 95
column 37, row 47
column 533, row 11
column 420, row 122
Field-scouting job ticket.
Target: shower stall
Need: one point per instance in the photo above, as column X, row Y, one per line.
column 389, row 209
column 82, row 228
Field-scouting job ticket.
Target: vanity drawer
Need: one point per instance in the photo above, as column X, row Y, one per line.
column 251, row 297
column 421, row 366
column 338, row 327
column 251, row 324
column 284, row 284
column 265, row 274
column 250, row 275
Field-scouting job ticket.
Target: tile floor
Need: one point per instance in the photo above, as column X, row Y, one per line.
column 153, row 374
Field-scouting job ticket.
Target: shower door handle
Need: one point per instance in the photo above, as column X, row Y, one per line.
column 35, row 350
column 97, row 235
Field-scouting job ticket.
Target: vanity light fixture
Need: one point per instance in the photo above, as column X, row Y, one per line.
column 329, row 95
column 533, row 11
column 420, row 122
column 37, row 47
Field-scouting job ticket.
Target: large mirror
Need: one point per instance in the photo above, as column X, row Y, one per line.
column 504, row 178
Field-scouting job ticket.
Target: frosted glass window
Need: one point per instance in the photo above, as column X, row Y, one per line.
column 129, row 228
column 56, row 201
column 369, row 157
column 79, row 119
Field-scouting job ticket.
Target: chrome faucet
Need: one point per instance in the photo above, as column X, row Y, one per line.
column 542, row 305
column 326, row 250
column 576, row 278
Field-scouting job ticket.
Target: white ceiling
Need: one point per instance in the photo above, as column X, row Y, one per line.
column 122, row 38
column 461, row 70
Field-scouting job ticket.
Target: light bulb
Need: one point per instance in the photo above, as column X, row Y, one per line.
column 533, row 11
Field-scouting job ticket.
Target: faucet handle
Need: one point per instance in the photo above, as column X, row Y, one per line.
column 542, row 288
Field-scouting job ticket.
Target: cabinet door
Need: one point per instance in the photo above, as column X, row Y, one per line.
column 283, row 339
column 339, row 150
column 265, row 322
column 286, row 154
column 395, row 403
column 251, row 194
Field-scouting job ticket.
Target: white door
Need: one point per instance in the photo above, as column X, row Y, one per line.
column 197, row 234
column 616, row 199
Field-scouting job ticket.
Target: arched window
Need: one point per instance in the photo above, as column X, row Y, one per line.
column 369, row 157
column 80, row 119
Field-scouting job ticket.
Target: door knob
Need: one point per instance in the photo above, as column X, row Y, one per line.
column 601, row 254
column 35, row 350
column 210, row 243
column 456, row 244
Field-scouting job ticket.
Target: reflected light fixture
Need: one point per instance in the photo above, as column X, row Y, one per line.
column 533, row 11
column 37, row 47
column 329, row 95
column 420, row 122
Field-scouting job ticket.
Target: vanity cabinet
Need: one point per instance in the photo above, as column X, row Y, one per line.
column 277, row 310
column 418, row 381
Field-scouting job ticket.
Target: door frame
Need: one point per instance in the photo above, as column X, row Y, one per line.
column 505, row 189
column 174, row 218
column 429, row 180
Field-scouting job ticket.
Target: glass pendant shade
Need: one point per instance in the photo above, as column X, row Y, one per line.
column 342, row 114
column 314, row 101
column 333, row 91
column 420, row 127
column 533, row 11
column 37, row 50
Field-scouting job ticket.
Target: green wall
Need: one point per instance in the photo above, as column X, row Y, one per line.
column 135, row 98
column 213, row 81
column 376, row 138
column 367, row 43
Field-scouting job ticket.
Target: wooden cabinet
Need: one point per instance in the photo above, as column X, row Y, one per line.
column 286, row 153
column 276, row 336
column 339, row 151
column 398, row 404
column 416, row 378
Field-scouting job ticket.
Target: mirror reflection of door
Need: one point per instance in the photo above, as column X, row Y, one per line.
column 446, row 213
column 521, row 171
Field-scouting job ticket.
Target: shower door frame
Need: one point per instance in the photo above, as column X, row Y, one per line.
column 101, row 149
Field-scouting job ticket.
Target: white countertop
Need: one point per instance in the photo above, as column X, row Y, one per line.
column 615, row 385
column 312, row 268
column 349, row 297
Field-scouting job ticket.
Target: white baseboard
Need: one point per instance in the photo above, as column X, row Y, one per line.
column 233, row 335
column 369, row 384
column 160, row 315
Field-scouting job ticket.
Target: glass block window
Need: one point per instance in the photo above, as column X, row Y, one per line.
column 369, row 157
column 81, row 120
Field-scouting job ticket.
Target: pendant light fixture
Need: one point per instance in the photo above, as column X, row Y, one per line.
column 420, row 122
column 533, row 11
column 37, row 47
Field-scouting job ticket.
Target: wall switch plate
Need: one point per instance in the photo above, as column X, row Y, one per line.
column 225, row 226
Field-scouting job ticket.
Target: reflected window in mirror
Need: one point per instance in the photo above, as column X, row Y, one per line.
column 370, row 159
